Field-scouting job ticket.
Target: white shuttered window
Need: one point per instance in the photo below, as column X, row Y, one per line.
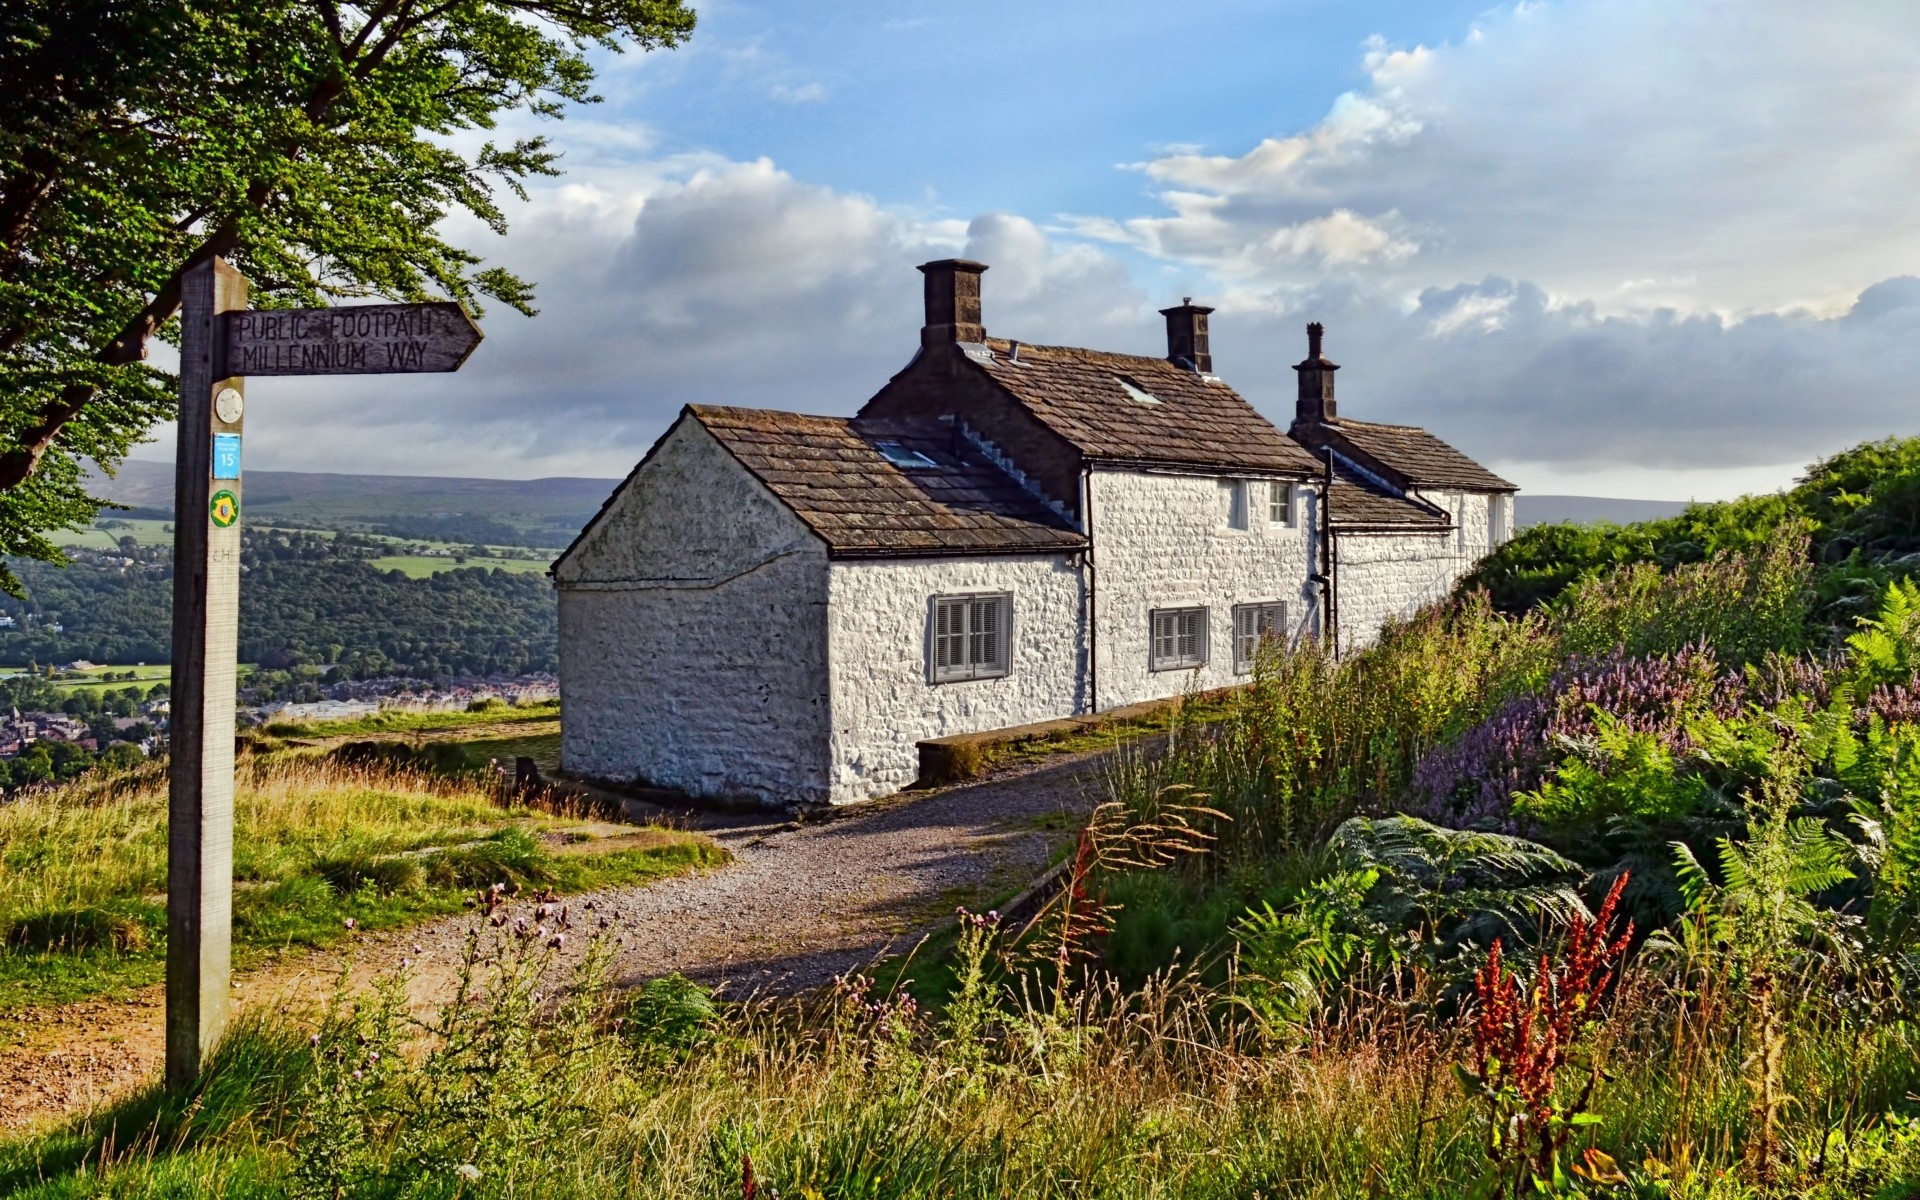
column 1251, row 624
column 971, row 636
column 1179, row 638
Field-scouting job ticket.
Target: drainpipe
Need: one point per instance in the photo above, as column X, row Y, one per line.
column 1328, row 578
column 1088, row 591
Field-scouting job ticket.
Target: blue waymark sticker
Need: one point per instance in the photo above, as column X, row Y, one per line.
column 226, row 456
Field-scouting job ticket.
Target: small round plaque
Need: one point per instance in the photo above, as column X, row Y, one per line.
column 228, row 405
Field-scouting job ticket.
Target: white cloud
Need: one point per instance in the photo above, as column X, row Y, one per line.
column 687, row 280
column 1759, row 150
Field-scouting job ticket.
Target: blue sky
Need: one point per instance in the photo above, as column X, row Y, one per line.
column 1657, row 248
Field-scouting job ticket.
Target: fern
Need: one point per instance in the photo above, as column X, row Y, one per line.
column 1464, row 885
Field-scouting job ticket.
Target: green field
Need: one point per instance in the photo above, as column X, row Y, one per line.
column 147, row 533
column 419, row 566
column 413, row 566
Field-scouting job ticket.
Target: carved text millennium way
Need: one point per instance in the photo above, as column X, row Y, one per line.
column 283, row 358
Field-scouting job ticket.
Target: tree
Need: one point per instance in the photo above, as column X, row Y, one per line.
column 315, row 143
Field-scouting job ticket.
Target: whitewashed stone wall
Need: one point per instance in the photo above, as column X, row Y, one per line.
column 693, row 635
column 1387, row 576
column 1162, row 541
column 883, row 701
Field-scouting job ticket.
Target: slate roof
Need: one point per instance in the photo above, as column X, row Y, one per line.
column 1424, row 459
column 1358, row 502
column 829, row 471
column 1199, row 421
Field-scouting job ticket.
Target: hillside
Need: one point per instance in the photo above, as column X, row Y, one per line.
column 555, row 509
column 538, row 512
column 305, row 598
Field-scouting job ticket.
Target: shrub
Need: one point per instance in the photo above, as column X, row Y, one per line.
column 670, row 1013
column 78, row 930
column 510, row 856
column 351, row 870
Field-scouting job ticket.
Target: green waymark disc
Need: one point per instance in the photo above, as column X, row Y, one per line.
column 225, row 508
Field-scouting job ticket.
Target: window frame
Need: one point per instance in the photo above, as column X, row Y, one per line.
column 1204, row 636
column 903, row 457
column 1243, row 661
column 1280, row 496
column 971, row 669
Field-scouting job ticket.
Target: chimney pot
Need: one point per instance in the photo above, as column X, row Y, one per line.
column 1316, row 404
column 953, row 301
column 1187, row 340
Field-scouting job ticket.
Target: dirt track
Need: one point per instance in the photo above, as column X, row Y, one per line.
column 798, row 906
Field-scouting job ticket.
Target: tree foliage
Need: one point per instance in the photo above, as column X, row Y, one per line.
column 316, row 144
column 305, row 599
column 1861, row 510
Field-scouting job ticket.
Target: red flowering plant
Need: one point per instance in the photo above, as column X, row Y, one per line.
column 1525, row 1037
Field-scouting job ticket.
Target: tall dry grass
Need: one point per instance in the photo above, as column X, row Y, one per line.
column 104, row 838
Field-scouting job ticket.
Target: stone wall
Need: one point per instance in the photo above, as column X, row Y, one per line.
column 693, row 634
column 884, row 703
column 1161, row 541
column 1388, row 576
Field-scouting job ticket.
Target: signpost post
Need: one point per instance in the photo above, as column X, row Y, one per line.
column 220, row 344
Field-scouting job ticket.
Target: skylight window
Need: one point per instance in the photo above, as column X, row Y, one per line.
column 904, row 458
column 1136, row 394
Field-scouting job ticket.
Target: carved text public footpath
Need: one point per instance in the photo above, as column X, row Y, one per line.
column 368, row 339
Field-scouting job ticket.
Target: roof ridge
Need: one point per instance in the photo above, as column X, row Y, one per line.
column 1381, row 425
column 1087, row 350
column 703, row 410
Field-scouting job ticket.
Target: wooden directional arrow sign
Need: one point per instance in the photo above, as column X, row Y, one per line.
column 221, row 343
column 368, row 339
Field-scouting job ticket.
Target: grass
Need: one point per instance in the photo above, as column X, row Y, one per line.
column 83, row 868
column 396, row 720
column 420, row 566
column 1002, row 1091
column 147, row 533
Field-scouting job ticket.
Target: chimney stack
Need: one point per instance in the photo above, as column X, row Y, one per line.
column 1187, row 336
column 1315, row 405
column 953, row 302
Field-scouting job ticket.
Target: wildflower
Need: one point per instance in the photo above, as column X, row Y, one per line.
column 546, row 910
column 351, row 923
column 356, row 1074
column 417, row 949
column 558, row 940
column 467, row 1171
column 314, row 1040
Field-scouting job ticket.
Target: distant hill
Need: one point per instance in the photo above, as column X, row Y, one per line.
column 1586, row 510
column 546, row 512
column 549, row 512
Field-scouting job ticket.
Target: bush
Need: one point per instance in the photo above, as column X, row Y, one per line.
column 351, row 870
column 510, row 856
column 78, row 930
column 670, row 1013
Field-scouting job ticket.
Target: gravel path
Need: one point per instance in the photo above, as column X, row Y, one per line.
column 800, row 905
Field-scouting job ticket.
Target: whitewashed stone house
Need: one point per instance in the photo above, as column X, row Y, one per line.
column 782, row 607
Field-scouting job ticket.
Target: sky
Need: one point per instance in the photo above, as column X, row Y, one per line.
column 1647, row 248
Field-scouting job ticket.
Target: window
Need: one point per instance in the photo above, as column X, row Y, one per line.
column 970, row 637
column 1280, row 503
column 1499, row 520
column 1251, row 624
column 1136, row 393
column 1233, row 504
column 902, row 457
column 1179, row 638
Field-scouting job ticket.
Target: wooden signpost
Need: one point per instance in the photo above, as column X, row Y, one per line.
column 221, row 343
